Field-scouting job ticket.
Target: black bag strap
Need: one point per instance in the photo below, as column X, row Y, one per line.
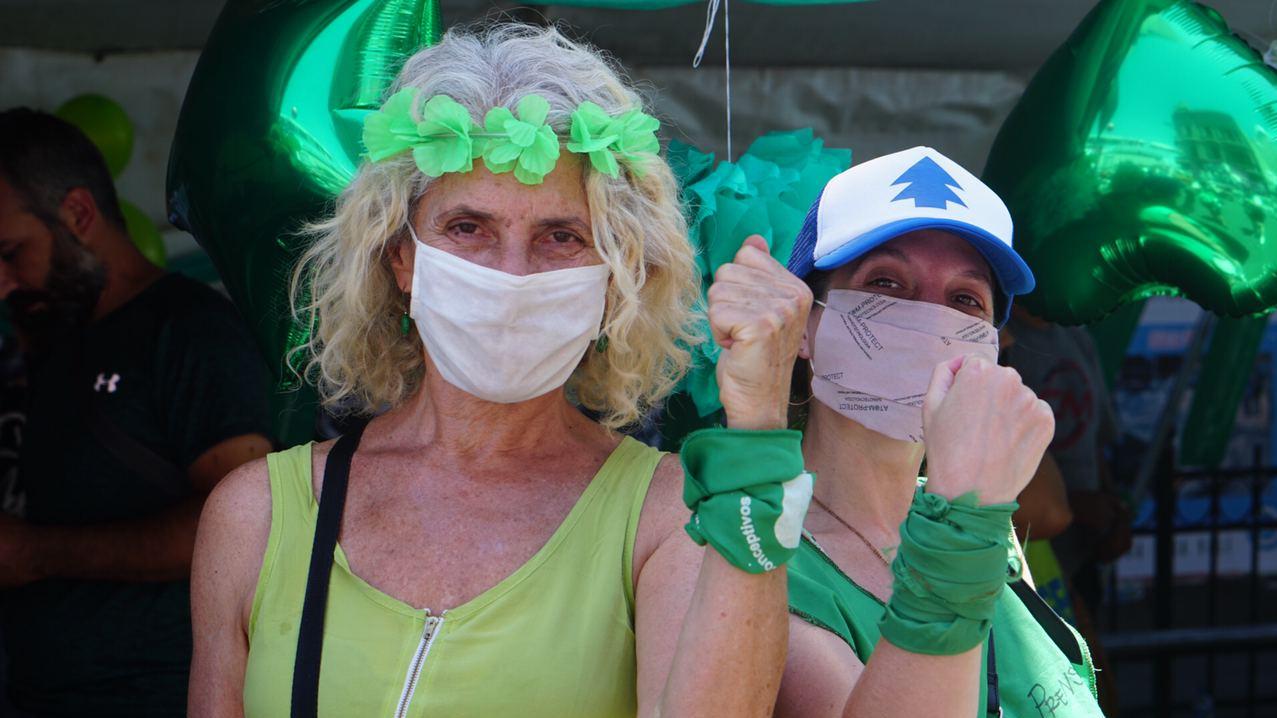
column 993, row 702
column 1050, row 622
column 310, row 634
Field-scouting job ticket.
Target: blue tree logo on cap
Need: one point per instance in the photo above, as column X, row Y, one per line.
column 928, row 185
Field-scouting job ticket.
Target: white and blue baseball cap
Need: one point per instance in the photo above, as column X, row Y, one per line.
column 879, row 200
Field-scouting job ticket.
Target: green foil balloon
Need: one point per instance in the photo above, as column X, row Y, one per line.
column 105, row 123
column 1226, row 370
column 269, row 134
column 1141, row 161
column 1112, row 337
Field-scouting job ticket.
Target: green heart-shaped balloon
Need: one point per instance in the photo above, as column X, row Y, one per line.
column 269, row 133
column 1141, row 161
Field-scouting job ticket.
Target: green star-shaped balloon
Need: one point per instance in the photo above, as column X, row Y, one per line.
column 270, row 131
column 1142, row 160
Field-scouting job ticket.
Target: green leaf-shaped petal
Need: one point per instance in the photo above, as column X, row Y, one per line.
column 444, row 143
column 500, row 150
column 604, row 161
column 590, row 131
column 539, row 158
column 436, row 157
column 391, row 130
column 497, row 168
column 638, row 133
column 533, row 109
column 442, row 114
column 499, row 153
column 527, row 176
column 637, row 143
column 524, row 144
column 609, row 141
column 546, row 144
column 495, row 121
column 591, row 144
column 522, row 134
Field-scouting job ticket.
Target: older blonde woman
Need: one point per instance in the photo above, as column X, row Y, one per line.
column 502, row 552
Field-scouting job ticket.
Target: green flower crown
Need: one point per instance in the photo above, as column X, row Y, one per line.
column 446, row 139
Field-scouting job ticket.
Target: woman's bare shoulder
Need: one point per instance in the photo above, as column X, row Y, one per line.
column 240, row 500
column 663, row 513
column 663, row 509
column 231, row 541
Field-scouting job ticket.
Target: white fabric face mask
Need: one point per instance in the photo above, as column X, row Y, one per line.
column 502, row 337
column 875, row 354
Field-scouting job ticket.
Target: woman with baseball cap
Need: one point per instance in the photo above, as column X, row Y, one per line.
column 907, row 596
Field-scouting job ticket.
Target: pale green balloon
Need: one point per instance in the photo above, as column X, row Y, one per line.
column 145, row 235
column 105, row 123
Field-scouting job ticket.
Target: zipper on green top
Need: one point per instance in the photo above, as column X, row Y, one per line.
column 434, row 624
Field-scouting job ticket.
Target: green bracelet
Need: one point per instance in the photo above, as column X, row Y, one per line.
column 748, row 494
column 952, row 565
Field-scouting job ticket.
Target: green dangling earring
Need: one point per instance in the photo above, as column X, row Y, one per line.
column 600, row 346
column 404, row 323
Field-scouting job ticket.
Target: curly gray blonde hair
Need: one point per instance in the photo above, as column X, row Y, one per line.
column 343, row 284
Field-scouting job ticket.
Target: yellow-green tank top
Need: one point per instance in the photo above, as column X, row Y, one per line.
column 554, row 638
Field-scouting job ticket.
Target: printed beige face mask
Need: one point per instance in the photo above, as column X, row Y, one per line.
column 874, row 356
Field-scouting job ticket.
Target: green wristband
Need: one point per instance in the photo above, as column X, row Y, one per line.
column 748, row 494
column 953, row 563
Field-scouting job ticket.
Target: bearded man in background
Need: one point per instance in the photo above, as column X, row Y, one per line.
column 143, row 391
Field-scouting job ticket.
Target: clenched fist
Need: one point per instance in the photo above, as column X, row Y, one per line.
column 985, row 430
column 757, row 313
